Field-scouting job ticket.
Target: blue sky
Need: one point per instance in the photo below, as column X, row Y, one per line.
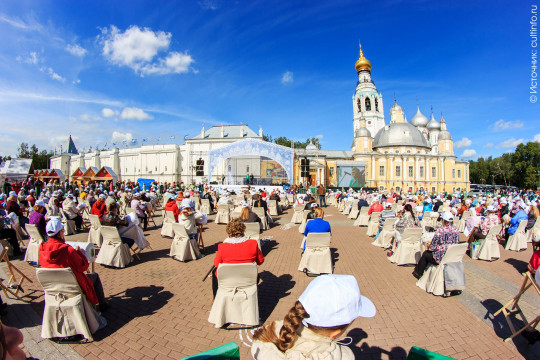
column 108, row 71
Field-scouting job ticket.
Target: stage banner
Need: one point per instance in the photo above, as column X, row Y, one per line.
column 351, row 176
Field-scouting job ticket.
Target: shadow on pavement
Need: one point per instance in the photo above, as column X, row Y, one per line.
column 362, row 350
column 503, row 330
column 519, row 265
column 133, row 303
column 270, row 290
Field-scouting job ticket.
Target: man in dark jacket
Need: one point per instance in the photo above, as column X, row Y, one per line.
column 111, row 218
column 361, row 203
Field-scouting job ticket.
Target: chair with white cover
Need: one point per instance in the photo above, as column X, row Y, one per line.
column 67, row 311
column 273, row 207
column 409, row 249
column 182, row 247
column 373, row 224
column 166, row 227
column 534, row 229
column 290, row 198
column 461, row 223
column 113, row 252
column 433, row 279
column 386, row 234
column 347, row 208
column 223, row 214
column 341, row 205
column 489, row 247
column 236, row 300
column 205, row 206
column 94, row 235
column 253, row 230
column 428, row 220
column 302, row 226
column 32, row 248
column 354, row 210
column 363, row 218
column 518, row 241
column 317, row 258
column 69, row 224
column 297, row 215
column 261, row 214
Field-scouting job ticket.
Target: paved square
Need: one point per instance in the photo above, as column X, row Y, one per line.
column 160, row 306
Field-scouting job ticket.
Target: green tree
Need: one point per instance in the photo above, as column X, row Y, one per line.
column 527, row 165
column 285, row 141
column 40, row 158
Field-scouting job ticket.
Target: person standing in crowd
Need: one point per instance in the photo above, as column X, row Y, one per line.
column 99, row 208
column 321, row 191
column 444, row 237
column 318, row 318
column 140, row 209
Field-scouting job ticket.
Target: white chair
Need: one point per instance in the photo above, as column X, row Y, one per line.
column 223, row 214
column 236, row 300
column 373, row 224
column 113, row 252
column 253, row 230
column 386, row 234
column 297, row 215
column 433, row 279
column 304, row 238
column 354, row 210
column 182, row 247
column 273, row 207
column 408, row 250
column 32, row 248
column 166, row 227
column 347, row 208
column 302, row 226
column 363, row 218
column 69, row 224
column 534, row 229
column 261, row 214
column 94, row 235
column 67, row 311
column 518, row 241
column 205, row 206
column 290, row 198
column 489, row 247
column 317, row 258
column 464, row 217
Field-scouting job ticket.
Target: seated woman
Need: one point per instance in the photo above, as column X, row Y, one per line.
column 407, row 220
column 111, row 218
column 236, row 249
column 6, row 232
column 172, row 206
column 480, row 232
column 72, row 212
column 37, row 218
column 444, row 237
column 321, row 315
column 55, row 253
column 189, row 218
column 248, row 216
column 317, row 225
column 311, row 214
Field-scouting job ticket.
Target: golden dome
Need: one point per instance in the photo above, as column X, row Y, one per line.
column 362, row 63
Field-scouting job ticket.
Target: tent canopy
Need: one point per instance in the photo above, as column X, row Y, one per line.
column 145, row 183
column 17, row 169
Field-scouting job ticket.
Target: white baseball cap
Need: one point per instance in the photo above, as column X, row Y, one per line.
column 428, row 200
column 314, row 205
column 12, row 193
column 447, row 215
column 102, row 196
column 490, row 208
column 54, row 226
column 334, row 300
column 40, row 203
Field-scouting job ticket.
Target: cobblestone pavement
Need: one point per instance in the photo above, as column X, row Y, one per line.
column 160, row 306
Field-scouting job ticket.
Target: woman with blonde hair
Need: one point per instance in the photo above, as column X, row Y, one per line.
column 248, row 216
column 321, row 315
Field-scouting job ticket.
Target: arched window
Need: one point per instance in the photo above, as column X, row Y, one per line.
column 359, row 104
column 376, row 105
column 368, row 104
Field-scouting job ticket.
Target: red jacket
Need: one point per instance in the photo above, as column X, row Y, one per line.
column 244, row 252
column 99, row 208
column 171, row 206
column 375, row 208
column 55, row 253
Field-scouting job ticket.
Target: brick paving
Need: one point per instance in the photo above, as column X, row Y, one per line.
column 160, row 306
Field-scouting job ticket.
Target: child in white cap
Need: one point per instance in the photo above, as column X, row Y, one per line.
column 321, row 315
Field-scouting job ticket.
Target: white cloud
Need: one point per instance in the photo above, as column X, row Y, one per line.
column 287, row 77
column 31, row 58
column 506, row 125
column 133, row 113
column 209, row 4
column 488, row 145
column 536, row 138
column 106, row 112
column 20, row 24
column 320, row 136
column 52, row 74
column 468, row 154
column 85, row 117
column 463, row 143
column 55, row 142
column 137, row 48
column 76, row 50
column 118, row 137
column 510, row 143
